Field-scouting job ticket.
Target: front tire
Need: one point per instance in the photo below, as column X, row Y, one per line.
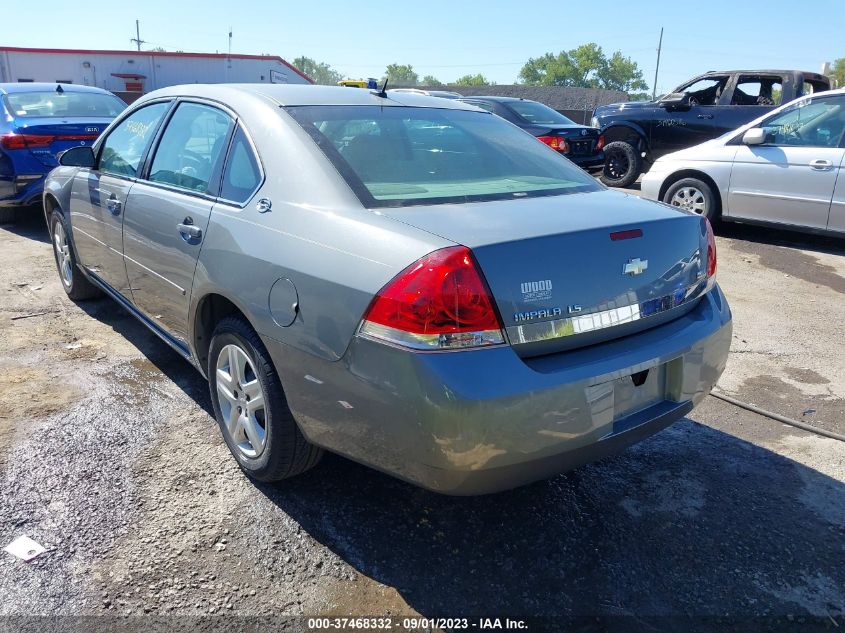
column 622, row 164
column 75, row 283
column 693, row 195
column 251, row 408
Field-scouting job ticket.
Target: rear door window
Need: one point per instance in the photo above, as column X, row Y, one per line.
column 125, row 145
column 757, row 90
column 190, row 153
column 242, row 175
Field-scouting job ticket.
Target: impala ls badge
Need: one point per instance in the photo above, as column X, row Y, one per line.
column 635, row 266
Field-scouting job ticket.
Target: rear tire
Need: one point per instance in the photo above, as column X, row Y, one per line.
column 8, row 215
column 622, row 164
column 251, row 408
column 75, row 283
column 693, row 195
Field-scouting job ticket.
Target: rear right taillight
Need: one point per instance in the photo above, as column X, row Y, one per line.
column 711, row 255
column 555, row 142
column 439, row 302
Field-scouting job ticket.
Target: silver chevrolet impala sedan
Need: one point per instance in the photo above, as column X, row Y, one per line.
column 408, row 281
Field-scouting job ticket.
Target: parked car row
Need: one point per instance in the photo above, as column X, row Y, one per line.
column 707, row 106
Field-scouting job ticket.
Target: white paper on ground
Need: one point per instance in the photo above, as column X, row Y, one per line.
column 24, row 548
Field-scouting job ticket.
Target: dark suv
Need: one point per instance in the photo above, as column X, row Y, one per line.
column 639, row 132
column 579, row 143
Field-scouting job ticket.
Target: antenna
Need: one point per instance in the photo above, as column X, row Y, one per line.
column 137, row 39
column 381, row 93
column 656, row 68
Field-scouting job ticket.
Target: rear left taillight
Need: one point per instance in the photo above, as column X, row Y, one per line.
column 600, row 142
column 555, row 142
column 439, row 302
column 711, row 255
column 13, row 140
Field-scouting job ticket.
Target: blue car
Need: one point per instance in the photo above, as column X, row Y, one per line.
column 37, row 121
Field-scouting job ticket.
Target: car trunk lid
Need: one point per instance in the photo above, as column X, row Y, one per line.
column 45, row 137
column 574, row 270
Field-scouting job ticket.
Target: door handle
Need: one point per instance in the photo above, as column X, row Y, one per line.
column 113, row 205
column 820, row 164
column 188, row 230
column 705, row 116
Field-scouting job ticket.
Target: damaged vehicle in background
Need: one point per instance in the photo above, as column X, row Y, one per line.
column 640, row 132
column 405, row 280
column 784, row 170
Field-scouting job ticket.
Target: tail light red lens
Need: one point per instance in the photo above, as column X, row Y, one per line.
column 555, row 142
column 31, row 141
column 711, row 254
column 439, row 302
column 600, row 142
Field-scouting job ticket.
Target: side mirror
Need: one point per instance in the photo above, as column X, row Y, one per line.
column 674, row 101
column 77, row 157
column 754, row 136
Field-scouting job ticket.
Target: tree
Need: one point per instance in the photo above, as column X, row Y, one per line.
column 621, row 73
column 401, row 75
column 837, row 72
column 584, row 67
column 431, row 80
column 320, row 72
column 474, row 80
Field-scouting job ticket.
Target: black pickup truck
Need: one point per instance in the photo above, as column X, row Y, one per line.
column 637, row 133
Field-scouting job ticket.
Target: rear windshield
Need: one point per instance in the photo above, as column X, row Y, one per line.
column 538, row 114
column 397, row 156
column 63, row 104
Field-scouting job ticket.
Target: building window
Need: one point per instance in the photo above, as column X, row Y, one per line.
column 25, row 81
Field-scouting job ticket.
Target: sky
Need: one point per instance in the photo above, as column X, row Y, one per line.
column 449, row 39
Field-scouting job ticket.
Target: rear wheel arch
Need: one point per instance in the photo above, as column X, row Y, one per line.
column 626, row 134
column 210, row 310
column 699, row 175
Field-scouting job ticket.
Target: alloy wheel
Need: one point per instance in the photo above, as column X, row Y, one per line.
column 62, row 248
column 690, row 199
column 241, row 400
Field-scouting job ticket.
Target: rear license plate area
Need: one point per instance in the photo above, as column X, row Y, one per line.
column 618, row 398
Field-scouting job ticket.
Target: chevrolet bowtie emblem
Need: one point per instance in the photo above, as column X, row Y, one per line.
column 635, row 267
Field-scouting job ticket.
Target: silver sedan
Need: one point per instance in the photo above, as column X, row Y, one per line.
column 783, row 170
column 408, row 281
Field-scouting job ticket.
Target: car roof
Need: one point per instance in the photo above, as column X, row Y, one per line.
column 306, row 94
column 37, row 86
column 499, row 99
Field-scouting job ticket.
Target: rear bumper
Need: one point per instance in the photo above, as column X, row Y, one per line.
column 593, row 160
column 11, row 196
column 475, row 422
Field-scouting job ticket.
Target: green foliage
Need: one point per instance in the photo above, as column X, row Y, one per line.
column 321, row 73
column 401, row 75
column 585, row 67
column 431, row 80
column 473, row 80
column 837, row 72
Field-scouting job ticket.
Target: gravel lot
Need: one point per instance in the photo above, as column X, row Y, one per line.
column 110, row 458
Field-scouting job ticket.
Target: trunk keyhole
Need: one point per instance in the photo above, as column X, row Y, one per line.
column 639, row 378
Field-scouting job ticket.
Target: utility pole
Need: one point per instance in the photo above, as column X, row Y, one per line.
column 137, row 38
column 657, row 68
